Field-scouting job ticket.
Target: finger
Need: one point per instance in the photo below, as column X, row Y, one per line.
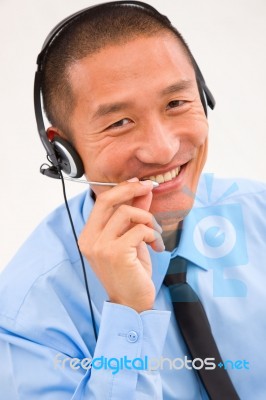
column 143, row 202
column 142, row 233
column 124, row 218
column 107, row 201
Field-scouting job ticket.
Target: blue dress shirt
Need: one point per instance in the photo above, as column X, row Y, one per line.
column 46, row 338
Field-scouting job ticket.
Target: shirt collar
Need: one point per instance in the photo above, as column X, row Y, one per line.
column 185, row 249
column 188, row 247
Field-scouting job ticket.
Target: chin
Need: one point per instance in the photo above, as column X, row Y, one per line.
column 172, row 209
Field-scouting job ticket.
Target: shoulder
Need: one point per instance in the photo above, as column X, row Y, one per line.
column 226, row 226
column 48, row 255
column 242, row 202
column 217, row 190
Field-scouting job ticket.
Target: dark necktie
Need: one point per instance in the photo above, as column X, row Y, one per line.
column 196, row 331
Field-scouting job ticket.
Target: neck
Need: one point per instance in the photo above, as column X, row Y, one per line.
column 171, row 235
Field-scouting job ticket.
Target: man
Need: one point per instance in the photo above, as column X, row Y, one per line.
column 122, row 87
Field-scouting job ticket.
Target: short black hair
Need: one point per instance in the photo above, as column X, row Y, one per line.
column 86, row 34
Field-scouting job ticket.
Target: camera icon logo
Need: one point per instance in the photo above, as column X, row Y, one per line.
column 215, row 241
column 218, row 239
column 218, row 235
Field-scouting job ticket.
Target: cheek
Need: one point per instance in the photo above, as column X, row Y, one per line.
column 200, row 130
column 95, row 152
column 197, row 126
column 106, row 161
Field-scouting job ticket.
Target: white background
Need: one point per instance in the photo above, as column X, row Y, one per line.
column 228, row 40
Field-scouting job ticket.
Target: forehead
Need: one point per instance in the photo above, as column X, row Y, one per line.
column 141, row 63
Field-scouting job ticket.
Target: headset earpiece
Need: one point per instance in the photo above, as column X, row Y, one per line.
column 68, row 159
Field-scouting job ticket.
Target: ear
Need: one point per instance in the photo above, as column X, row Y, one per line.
column 52, row 132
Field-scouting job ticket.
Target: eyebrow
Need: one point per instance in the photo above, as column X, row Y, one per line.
column 110, row 108
column 177, row 87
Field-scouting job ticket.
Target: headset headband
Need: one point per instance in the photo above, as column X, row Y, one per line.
column 66, row 21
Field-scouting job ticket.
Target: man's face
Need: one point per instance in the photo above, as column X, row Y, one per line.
column 138, row 114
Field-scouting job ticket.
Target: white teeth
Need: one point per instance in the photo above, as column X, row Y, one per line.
column 159, row 178
column 168, row 176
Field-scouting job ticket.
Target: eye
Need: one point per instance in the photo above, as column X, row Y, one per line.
column 175, row 104
column 120, row 123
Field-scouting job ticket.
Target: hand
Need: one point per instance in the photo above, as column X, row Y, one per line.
column 115, row 239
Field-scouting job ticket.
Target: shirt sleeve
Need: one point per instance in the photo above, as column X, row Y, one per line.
column 118, row 369
column 127, row 342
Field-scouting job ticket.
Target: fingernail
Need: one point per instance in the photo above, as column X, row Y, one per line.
column 157, row 226
column 133, row 180
column 160, row 245
column 146, row 183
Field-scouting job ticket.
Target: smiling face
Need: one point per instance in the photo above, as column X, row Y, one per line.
column 138, row 114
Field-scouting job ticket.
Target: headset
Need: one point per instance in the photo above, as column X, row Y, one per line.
column 60, row 153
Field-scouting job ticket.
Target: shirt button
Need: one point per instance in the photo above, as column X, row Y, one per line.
column 132, row 336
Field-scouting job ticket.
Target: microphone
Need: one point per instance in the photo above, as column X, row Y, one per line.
column 154, row 184
column 52, row 172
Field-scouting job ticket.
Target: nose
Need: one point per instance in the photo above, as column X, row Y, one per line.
column 159, row 142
